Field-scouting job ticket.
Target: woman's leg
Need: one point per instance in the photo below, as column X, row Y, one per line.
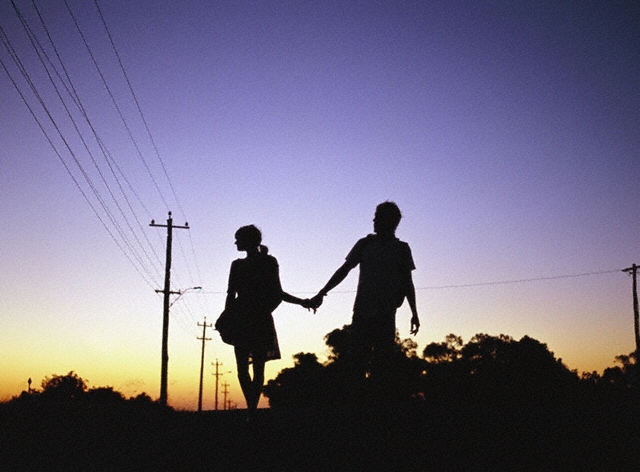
column 242, row 364
column 258, row 379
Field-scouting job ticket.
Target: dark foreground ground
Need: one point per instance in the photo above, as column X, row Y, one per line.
column 412, row 438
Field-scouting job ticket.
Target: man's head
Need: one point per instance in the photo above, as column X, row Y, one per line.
column 387, row 218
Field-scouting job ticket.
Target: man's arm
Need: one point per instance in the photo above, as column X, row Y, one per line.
column 333, row 282
column 410, row 291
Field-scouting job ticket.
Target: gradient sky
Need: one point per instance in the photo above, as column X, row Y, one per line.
column 507, row 132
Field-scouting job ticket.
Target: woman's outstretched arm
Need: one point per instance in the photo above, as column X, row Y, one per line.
column 287, row 297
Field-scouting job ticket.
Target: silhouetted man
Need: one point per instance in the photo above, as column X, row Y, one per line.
column 385, row 281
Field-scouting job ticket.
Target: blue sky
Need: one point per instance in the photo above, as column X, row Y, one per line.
column 507, row 132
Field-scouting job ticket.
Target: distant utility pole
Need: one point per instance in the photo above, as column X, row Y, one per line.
column 225, row 392
column 165, row 312
column 217, row 374
column 636, row 316
column 203, row 338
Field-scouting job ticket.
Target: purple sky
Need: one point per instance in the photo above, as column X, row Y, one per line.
column 507, row 132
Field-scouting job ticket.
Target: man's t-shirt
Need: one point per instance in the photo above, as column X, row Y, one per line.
column 385, row 264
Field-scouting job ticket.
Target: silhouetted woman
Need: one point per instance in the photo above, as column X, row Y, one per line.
column 254, row 292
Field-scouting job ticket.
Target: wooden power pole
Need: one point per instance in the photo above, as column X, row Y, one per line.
column 165, row 312
column 636, row 316
column 203, row 338
column 217, row 374
column 225, row 392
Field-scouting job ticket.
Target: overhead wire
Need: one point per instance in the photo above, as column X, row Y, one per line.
column 151, row 139
column 518, row 281
column 137, row 103
column 115, row 103
column 142, row 256
column 115, row 170
column 466, row 285
column 185, row 307
column 7, row 44
column 90, row 153
column 111, row 162
column 50, row 68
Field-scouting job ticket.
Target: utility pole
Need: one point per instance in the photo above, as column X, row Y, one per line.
column 203, row 338
column 636, row 316
column 217, row 374
column 165, row 312
column 225, row 392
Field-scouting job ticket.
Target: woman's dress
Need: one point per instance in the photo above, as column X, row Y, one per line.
column 256, row 282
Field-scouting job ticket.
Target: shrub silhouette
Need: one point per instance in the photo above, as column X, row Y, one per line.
column 63, row 388
column 487, row 369
column 104, row 395
column 310, row 383
column 297, row 386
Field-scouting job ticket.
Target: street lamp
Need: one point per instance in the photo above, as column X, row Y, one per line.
column 181, row 292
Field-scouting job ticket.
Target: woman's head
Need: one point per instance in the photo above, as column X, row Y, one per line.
column 249, row 237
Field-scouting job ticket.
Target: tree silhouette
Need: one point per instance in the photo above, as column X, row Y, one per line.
column 297, row 386
column 447, row 351
column 489, row 369
column 495, row 369
column 619, row 384
column 104, row 395
column 63, row 388
column 310, row 383
column 339, row 341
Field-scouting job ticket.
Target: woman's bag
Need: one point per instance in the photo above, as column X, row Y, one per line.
column 227, row 326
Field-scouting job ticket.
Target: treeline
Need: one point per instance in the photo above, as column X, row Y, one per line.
column 73, row 389
column 485, row 370
column 492, row 403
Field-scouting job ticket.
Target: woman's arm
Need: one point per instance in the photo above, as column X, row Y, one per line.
column 287, row 297
column 305, row 303
column 229, row 300
column 231, row 292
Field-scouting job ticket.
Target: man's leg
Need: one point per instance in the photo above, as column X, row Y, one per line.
column 384, row 372
column 360, row 354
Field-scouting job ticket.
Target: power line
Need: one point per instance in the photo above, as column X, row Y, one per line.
column 111, row 163
column 144, row 258
column 124, row 233
column 135, row 99
column 517, row 281
column 42, row 55
column 478, row 284
column 64, row 164
column 150, row 135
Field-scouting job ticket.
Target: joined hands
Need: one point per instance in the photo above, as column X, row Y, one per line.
column 313, row 303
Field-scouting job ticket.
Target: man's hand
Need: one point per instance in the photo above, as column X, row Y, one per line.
column 309, row 305
column 415, row 325
column 316, row 301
